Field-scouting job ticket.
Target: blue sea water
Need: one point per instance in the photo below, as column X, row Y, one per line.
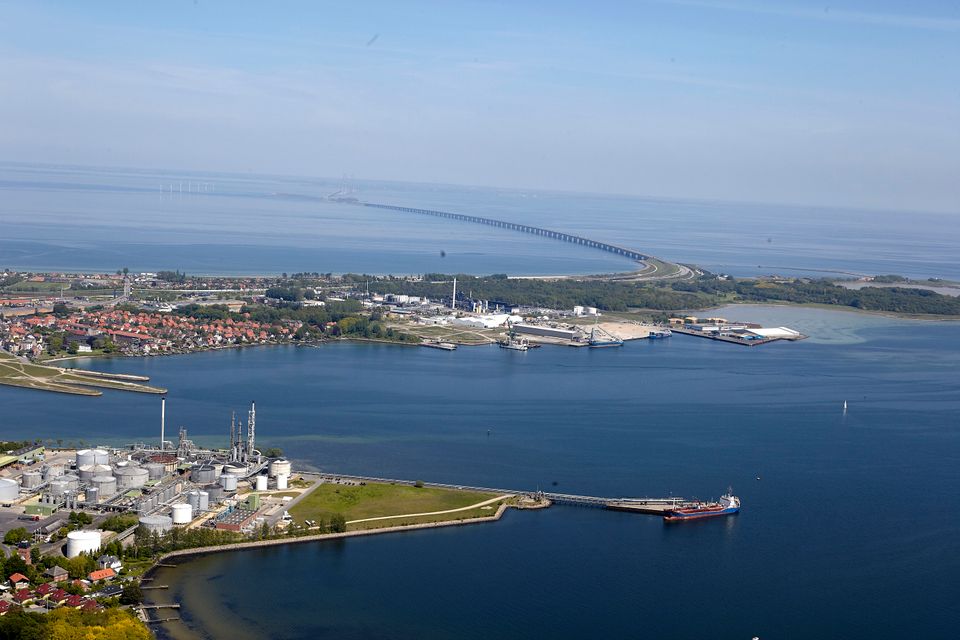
column 850, row 532
column 82, row 219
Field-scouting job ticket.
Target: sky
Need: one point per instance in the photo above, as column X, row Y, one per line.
column 851, row 103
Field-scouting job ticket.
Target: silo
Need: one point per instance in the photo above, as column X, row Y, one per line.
column 280, row 466
column 193, row 497
column 84, row 541
column 52, row 471
column 106, row 485
column 157, row 524
column 203, row 474
column 215, row 492
column 228, row 482
column 9, row 490
column 261, row 483
column 281, row 481
column 204, row 501
column 130, row 477
column 87, row 457
column 182, row 513
column 32, row 479
column 155, row 470
column 89, row 471
column 92, row 495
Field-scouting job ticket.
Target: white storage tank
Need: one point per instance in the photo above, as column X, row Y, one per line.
column 130, row 477
column 106, row 485
column 58, row 487
column 52, row 471
column 193, row 498
column 203, row 501
column 89, row 471
column 235, row 468
column 228, row 482
column 157, row 524
column 281, row 481
column 261, row 483
column 182, row 513
column 278, row 467
column 84, row 541
column 87, row 457
column 32, row 479
column 155, row 470
column 9, row 490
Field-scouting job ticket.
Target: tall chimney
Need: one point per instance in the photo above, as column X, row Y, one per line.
column 163, row 417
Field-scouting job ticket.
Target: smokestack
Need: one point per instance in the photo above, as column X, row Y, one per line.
column 453, row 300
column 163, row 418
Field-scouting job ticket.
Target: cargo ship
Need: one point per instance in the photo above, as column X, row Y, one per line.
column 656, row 334
column 514, row 343
column 727, row 505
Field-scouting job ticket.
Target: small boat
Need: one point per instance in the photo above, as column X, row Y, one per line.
column 657, row 334
column 727, row 505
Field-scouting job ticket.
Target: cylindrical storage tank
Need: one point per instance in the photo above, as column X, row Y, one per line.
column 215, row 492
column 92, row 495
column 182, row 513
column 204, row 501
column 228, row 482
column 32, row 479
column 193, row 498
column 234, row 469
column 92, row 470
column 9, row 490
column 281, row 481
column 158, row 524
column 218, row 467
column 52, row 471
column 106, row 485
column 84, row 541
column 58, row 487
column 278, row 467
column 261, row 483
column 73, row 482
column 203, row 474
column 131, row 477
column 155, row 470
column 86, row 457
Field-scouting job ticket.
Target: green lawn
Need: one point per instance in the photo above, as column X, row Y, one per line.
column 34, row 376
column 376, row 500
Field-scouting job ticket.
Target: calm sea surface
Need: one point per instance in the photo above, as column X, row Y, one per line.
column 72, row 218
column 852, row 530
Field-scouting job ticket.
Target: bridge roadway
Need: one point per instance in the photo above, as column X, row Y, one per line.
column 525, row 228
column 556, row 498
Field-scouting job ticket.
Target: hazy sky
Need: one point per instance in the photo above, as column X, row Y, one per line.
column 842, row 103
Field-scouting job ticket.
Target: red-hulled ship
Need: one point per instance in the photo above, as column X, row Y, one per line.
column 728, row 504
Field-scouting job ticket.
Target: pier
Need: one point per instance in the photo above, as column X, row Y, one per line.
column 650, row 506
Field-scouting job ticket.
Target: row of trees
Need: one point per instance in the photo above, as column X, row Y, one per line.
column 71, row 624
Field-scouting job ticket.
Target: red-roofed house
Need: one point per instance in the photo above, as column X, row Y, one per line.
column 17, row 578
column 90, row 605
column 58, row 596
column 44, row 589
column 24, row 595
column 102, row 574
column 74, row 601
column 4, row 607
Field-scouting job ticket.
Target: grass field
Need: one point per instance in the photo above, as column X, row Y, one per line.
column 17, row 373
column 377, row 500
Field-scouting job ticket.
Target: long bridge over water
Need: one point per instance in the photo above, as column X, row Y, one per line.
column 525, row 228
